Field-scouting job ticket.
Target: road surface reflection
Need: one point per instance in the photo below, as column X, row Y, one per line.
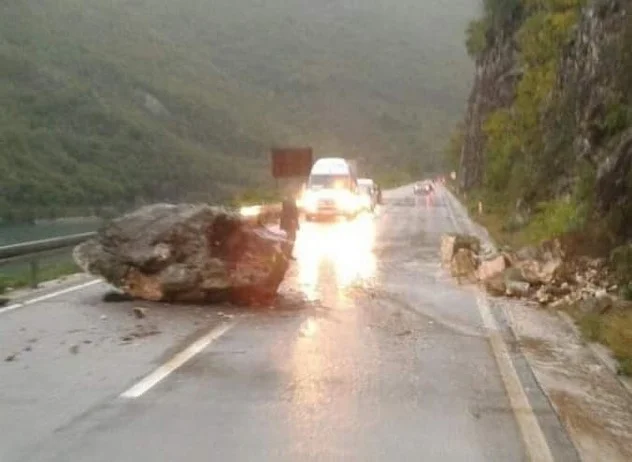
column 340, row 253
column 330, row 257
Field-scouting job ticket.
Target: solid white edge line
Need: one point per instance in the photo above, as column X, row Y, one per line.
column 535, row 442
column 178, row 360
column 534, row 439
column 48, row 296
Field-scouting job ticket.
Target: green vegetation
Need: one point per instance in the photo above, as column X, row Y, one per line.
column 553, row 218
column 107, row 105
column 20, row 276
column 476, row 37
column 517, row 158
column 255, row 197
column 535, row 184
column 529, row 143
column 494, row 219
column 626, row 291
column 621, row 263
column 613, row 329
column 497, row 15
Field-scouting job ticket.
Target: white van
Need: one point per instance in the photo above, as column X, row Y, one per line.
column 331, row 189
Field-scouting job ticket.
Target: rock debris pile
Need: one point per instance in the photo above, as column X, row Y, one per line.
column 545, row 273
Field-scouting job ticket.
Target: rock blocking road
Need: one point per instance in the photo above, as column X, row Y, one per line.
column 187, row 253
column 371, row 352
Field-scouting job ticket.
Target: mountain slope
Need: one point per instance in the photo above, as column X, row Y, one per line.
column 548, row 132
column 114, row 103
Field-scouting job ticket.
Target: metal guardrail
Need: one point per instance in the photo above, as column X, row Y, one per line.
column 34, row 247
column 33, row 251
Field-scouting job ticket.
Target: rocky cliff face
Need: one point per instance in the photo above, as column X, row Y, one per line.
column 597, row 71
column 594, row 90
column 494, row 88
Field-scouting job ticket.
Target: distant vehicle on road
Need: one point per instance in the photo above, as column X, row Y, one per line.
column 368, row 192
column 423, row 187
column 332, row 190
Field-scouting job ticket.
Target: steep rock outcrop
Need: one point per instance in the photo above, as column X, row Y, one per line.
column 588, row 117
column 494, row 88
column 596, row 71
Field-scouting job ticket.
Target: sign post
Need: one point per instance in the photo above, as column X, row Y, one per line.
column 292, row 163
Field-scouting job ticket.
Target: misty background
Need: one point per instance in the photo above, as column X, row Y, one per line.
column 119, row 102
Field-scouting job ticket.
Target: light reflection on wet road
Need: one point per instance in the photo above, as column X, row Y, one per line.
column 342, row 250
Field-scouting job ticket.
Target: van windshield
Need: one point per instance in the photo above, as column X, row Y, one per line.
column 330, row 181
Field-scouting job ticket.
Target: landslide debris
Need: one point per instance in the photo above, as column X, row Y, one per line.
column 188, row 253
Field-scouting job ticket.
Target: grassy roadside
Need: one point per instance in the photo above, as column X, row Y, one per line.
column 612, row 327
column 490, row 217
column 494, row 218
column 19, row 276
column 256, row 196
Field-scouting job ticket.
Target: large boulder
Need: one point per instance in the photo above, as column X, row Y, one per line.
column 463, row 265
column 492, row 267
column 451, row 243
column 540, row 272
column 187, row 253
column 545, row 251
column 495, row 285
column 515, row 283
column 517, row 288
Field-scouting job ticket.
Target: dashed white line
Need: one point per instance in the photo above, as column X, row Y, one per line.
column 48, row 296
column 178, row 360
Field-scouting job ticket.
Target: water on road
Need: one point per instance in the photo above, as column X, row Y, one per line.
column 371, row 352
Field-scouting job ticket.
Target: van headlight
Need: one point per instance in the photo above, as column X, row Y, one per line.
column 310, row 202
column 347, row 202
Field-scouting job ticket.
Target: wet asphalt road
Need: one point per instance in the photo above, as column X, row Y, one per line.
column 371, row 353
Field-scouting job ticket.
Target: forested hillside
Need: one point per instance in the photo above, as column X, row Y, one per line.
column 110, row 104
column 547, row 139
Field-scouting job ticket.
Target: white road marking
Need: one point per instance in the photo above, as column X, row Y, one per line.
column 534, row 440
column 178, row 360
column 48, row 296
